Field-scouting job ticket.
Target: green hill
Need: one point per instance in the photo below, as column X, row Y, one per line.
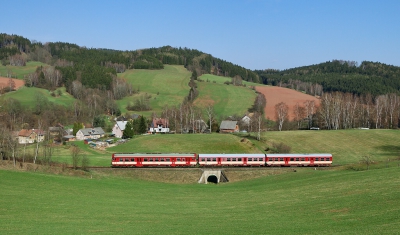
column 20, row 71
column 302, row 202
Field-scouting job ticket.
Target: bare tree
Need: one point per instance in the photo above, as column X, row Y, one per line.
column 210, row 114
column 281, row 112
column 367, row 160
column 76, row 155
column 298, row 112
column 393, row 107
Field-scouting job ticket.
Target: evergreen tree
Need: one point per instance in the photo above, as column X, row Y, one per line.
column 142, row 125
column 128, row 132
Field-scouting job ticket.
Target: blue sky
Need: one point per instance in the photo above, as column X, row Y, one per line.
column 255, row 34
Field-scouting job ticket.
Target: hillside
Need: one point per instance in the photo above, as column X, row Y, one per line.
column 337, row 75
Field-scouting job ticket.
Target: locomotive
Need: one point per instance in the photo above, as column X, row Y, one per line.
column 219, row 160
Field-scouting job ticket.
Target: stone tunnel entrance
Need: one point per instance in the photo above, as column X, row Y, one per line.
column 212, row 179
column 213, row 176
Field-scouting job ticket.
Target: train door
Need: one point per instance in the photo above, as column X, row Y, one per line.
column 219, row 161
column 139, row 162
column 287, row 161
column 187, row 161
column 245, row 161
column 312, row 161
column 173, row 159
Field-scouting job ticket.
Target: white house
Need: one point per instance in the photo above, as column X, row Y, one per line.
column 29, row 136
column 90, row 133
column 159, row 125
column 119, row 128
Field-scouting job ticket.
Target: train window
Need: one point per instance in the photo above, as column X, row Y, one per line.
column 214, row 159
column 297, row 159
column 282, row 159
column 151, row 159
column 168, row 159
column 228, row 159
column 239, row 159
column 209, row 159
column 178, row 159
column 156, row 159
column 145, row 160
column 291, row 159
column 261, row 159
column 250, row 159
column 233, row 159
column 162, row 159
column 316, row 159
column 132, row 159
column 302, row 159
column 202, row 159
column 322, row 159
column 121, row 160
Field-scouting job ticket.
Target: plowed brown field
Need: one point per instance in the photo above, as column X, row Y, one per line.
column 275, row 95
column 4, row 82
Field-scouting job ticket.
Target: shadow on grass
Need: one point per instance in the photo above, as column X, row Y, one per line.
column 390, row 150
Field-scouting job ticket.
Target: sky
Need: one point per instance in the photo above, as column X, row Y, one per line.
column 255, row 34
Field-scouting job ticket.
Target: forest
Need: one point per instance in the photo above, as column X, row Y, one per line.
column 337, row 75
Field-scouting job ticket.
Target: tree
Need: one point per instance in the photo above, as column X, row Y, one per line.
column 142, row 125
column 367, row 160
column 281, row 112
column 76, row 155
column 77, row 127
column 210, row 115
column 128, row 132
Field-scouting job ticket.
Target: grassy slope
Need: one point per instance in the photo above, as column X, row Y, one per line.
column 305, row 202
column 227, row 99
column 26, row 95
column 171, row 84
column 347, row 146
column 21, row 71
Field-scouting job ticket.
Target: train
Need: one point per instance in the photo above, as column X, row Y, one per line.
column 219, row 160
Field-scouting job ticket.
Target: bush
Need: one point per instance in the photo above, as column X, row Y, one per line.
column 281, row 148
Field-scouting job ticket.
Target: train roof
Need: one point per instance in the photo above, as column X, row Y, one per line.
column 152, row 154
column 299, row 155
column 231, row 155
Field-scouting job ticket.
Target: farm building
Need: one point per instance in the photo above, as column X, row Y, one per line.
column 28, row 136
column 228, row 127
column 90, row 133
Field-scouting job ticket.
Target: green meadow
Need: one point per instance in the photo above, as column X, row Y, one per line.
column 346, row 146
column 20, row 71
column 302, row 202
column 27, row 96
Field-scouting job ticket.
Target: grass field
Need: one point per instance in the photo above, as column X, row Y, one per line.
column 347, row 146
column 220, row 80
column 302, row 202
column 20, row 71
column 26, row 96
column 227, row 99
column 167, row 86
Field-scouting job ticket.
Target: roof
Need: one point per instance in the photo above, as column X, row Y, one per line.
column 121, row 125
column 231, row 125
column 159, row 121
column 233, row 155
column 28, row 132
column 92, row 131
column 299, row 155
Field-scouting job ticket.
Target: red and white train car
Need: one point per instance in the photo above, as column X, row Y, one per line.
column 314, row 159
column 231, row 159
column 153, row 160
